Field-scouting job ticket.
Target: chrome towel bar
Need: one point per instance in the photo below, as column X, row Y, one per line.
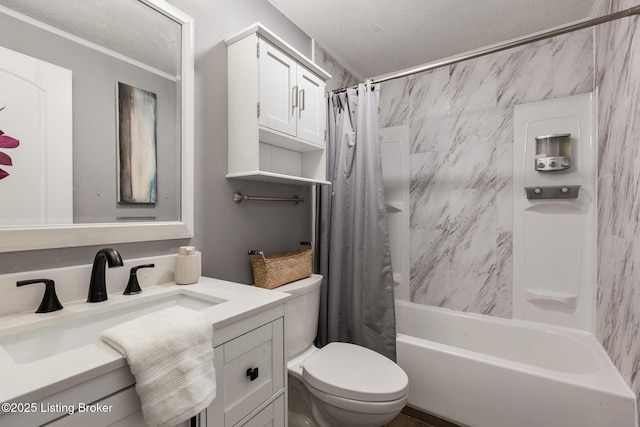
column 238, row 197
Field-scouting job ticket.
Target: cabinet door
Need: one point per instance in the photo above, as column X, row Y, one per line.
column 121, row 409
column 271, row 416
column 253, row 351
column 277, row 89
column 312, row 111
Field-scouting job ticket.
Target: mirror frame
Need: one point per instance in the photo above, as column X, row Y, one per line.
column 64, row 236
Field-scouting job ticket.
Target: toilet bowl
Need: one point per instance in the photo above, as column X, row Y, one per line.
column 348, row 385
column 340, row 384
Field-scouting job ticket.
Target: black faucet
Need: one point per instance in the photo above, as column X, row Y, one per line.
column 97, row 285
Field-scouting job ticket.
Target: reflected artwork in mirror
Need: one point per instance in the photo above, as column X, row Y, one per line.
column 149, row 45
column 137, row 166
column 6, row 141
column 37, row 98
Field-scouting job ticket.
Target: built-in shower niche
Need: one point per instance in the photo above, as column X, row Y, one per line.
column 394, row 150
column 554, row 253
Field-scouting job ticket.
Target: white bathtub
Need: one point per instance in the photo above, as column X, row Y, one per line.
column 483, row 371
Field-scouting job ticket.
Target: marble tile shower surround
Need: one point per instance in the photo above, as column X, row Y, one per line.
column 461, row 168
column 617, row 58
column 461, row 130
column 340, row 76
column 461, row 127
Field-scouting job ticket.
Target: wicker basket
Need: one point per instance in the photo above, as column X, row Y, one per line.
column 269, row 272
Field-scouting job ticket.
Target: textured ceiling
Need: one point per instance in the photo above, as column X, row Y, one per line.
column 128, row 27
column 377, row 37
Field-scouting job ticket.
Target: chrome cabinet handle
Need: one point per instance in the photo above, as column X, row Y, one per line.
column 294, row 97
column 301, row 99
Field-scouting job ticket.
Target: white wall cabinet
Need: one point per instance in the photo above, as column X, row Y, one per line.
column 291, row 97
column 277, row 111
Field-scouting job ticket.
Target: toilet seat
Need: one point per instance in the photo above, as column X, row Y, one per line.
column 356, row 373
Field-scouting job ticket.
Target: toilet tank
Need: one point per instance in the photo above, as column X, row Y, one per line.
column 301, row 313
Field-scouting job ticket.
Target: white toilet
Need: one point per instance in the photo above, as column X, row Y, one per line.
column 340, row 384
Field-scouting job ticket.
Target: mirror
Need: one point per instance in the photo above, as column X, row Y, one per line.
column 97, row 121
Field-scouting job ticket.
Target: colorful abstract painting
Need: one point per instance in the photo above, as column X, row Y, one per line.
column 36, row 141
column 137, row 163
column 6, row 142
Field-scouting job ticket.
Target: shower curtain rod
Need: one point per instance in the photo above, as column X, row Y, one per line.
column 635, row 10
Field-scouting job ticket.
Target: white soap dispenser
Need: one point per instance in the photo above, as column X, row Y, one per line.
column 188, row 264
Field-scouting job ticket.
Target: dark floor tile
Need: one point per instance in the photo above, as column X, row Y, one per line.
column 410, row 417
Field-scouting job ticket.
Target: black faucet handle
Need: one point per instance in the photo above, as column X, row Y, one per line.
column 50, row 301
column 138, row 267
column 133, row 287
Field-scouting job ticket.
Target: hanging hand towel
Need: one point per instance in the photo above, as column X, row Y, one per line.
column 170, row 353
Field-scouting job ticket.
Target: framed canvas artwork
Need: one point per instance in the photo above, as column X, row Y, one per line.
column 137, row 162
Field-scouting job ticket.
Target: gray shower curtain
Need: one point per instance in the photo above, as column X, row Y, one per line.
column 352, row 241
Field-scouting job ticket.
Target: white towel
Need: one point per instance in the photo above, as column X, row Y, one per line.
column 170, row 353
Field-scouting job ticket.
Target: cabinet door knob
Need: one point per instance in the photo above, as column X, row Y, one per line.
column 252, row 373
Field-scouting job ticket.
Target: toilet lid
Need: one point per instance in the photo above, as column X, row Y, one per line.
column 354, row 372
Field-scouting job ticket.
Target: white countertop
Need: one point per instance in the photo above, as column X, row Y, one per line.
column 24, row 382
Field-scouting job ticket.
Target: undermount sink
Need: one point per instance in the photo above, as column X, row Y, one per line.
column 76, row 330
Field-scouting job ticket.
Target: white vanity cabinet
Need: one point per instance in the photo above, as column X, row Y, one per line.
column 277, row 111
column 121, row 409
column 251, row 346
column 250, row 373
column 249, row 359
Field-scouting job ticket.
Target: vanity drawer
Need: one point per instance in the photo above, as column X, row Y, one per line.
column 272, row 415
column 253, row 370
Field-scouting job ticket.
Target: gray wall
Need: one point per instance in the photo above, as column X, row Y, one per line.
column 224, row 231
